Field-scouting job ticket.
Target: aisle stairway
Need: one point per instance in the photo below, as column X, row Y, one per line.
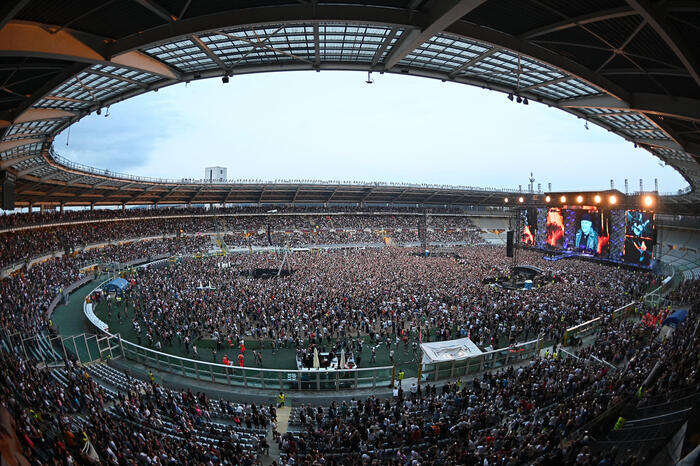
column 283, row 415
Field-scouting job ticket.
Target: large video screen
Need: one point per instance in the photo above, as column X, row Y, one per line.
column 638, row 251
column 592, row 232
column 555, row 228
column 528, row 235
column 640, row 237
column 640, row 224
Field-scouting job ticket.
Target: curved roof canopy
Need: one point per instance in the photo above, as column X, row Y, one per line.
column 630, row 66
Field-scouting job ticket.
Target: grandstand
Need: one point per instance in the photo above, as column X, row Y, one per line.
column 193, row 359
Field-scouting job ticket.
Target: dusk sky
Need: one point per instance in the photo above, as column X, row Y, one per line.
column 334, row 126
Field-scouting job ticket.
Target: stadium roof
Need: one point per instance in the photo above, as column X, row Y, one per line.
column 630, row 66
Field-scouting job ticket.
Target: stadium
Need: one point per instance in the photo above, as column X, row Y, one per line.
column 301, row 322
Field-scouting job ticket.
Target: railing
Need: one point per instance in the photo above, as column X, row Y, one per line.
column 257, row 377
column 478, row 363
column 246, row 181
column 54, row 350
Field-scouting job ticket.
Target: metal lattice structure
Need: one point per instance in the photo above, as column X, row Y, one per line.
column 630, row 66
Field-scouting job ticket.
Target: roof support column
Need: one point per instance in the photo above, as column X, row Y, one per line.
column 443, row 14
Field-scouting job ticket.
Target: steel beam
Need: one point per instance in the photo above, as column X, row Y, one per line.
column 9, row 162
column 28, row 170
column 663, row 143
column 442, row 15
column 9, row 145
column 545, row 83
column 49, row 174
column 157, row 9
column 209, row 53
column 669, row 35
column 10, row 10
column 117, row 77
column 580, row 21
column 656, row 104
column 317, row 45
column 26, row 39
column 473, row 61
column 382, row 48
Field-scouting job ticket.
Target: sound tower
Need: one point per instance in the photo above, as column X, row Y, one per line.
column 510, row 234
column 7, row 180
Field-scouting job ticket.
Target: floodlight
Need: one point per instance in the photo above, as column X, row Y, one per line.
column 579, row 199
column 597, row 198
column 613, row 199
column 562, row 199
column 547, row 199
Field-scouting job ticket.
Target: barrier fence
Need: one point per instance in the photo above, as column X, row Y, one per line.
column 256, row 377
column 479, row 363
column 52, row 350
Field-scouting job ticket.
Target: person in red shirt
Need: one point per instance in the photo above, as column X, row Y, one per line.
column 240, row 359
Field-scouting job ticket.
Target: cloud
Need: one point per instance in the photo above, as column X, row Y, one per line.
column 331, row 125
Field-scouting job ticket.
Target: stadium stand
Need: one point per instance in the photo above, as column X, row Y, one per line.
column 614, row 383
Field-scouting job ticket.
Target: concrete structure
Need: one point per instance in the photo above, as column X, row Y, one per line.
column 218, row 174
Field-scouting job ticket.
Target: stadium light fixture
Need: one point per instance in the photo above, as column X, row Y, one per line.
column 579, row 199
column 525, row 102
column 597, row 198
column 369, row 78
column 547, row 199
column 510, row 97
column 562, row 199
column 519, row 99
column 224, row 79
column 521, row 199
column 648, row 201
column 613, row 199
column 505, row 200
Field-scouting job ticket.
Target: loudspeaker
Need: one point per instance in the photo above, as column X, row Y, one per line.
column 509, row 243
column 7, row 180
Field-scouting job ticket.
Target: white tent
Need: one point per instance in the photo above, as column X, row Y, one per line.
column 450, row 350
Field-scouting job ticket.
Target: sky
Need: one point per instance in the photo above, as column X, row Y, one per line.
column 333, row 126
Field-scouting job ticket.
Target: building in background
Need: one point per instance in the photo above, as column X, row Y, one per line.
column 215, row 173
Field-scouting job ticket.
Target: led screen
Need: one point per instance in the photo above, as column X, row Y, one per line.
column 638, row 251
column 640, row 237
column 528, row 234
column 592, row 234
column 555, row 228
column 640, row 224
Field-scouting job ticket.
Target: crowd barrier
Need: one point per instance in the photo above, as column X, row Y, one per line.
column 255, row 377
column 488, row 360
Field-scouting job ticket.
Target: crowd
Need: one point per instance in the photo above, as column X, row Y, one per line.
column 246, row 229
column 385, row 294
column 79, row 422
column 17, row 219
column 533, row 414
